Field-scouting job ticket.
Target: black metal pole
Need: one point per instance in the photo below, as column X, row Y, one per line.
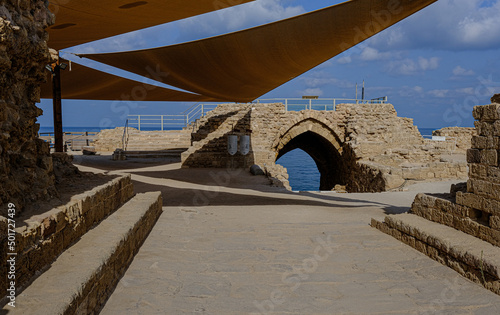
column 57, row 108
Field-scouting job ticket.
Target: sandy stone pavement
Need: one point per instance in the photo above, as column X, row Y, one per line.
column 227, row 243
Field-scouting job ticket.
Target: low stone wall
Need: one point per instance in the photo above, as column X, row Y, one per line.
column 44, row 237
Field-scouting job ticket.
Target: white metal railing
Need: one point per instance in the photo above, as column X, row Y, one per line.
column 168, row 122
column 322, row 104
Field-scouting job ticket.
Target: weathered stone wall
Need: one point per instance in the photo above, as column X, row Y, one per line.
column 25, row 163
column 364, row 146
column 45, row 236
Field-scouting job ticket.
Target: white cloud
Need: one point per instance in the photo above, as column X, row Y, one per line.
column 446, row 24
column 321, row 78
column 369, row 54
column 409, row 66
column 468, row 91
column 237, row 18
column 313, row 92
column 344, row 60
column 428, row 64
column 459, row 71
column 439, row 93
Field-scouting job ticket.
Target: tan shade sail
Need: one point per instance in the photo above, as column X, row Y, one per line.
column 82, row 21
column 242, row 66
column 88, row 84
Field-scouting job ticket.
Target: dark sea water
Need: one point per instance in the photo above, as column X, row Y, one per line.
column 302, row 171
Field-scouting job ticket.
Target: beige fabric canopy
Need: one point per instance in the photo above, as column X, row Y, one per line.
column 242, row 66
column 82, row 21
column 86, row 83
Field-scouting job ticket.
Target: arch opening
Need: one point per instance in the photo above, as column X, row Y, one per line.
column 326, row 156
column 303, row 174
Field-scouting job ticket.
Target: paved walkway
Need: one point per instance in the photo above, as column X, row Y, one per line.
column 227, row 244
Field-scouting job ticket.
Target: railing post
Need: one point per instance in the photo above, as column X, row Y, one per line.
column 139, row 122
column 286, row 104
column 161, row 122
column 334, row 105
column 202, row 110
column 310, row 104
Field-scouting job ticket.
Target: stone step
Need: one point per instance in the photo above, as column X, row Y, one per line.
column 84, row 276
column 473, row 258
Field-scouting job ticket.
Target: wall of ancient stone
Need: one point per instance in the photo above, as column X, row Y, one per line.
column 366, row 147
column 25, row 163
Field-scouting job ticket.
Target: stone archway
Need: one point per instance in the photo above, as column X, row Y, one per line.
column 321, row 143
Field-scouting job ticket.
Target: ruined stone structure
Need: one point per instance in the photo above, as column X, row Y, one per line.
column 364, row 146
column 459, row 138
column 462, row 229
column 26, row 170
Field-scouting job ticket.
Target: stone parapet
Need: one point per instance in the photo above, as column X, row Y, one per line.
column 44, row 237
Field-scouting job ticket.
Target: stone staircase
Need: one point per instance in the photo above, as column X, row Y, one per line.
column 70, row 259
column 462, row 229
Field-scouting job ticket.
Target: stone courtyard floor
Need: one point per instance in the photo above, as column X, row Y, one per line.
column 228, row 244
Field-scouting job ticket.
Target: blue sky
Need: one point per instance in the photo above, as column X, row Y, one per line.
column 434, row 66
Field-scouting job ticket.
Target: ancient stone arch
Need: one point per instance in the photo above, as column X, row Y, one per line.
column 318, row 140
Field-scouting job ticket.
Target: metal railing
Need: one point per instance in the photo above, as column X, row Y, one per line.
column 321, row 104
column 195, row 112
column 169, row 122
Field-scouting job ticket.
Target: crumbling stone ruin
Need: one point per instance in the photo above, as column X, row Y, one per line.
column 462, row 229
column 366, row 147
column 26, row 170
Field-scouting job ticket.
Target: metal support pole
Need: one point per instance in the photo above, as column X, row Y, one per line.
column 139, row 122
column 161, row 122
column 202, row 110
column 310, row 104
column 286, row 104
column 57, row 108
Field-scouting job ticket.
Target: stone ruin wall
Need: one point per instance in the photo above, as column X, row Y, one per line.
column 26, row 170
column 380, row 150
